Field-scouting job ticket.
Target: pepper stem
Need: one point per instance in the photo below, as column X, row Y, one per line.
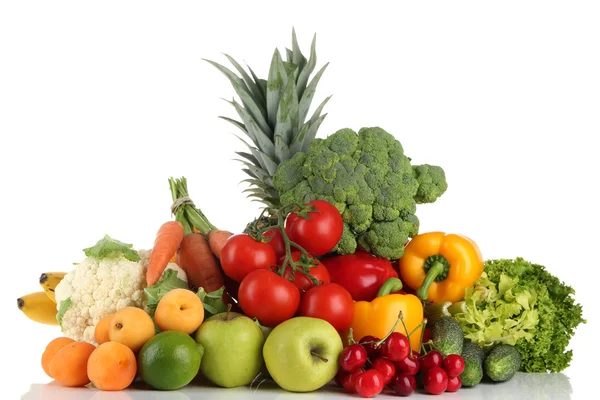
column 438, row 268
column 389, row 286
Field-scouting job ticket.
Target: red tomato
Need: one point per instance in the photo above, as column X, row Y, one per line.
column 303, row 282
column 268, row 297
column 241, row 255
column 318, row 234
column 276, row 241
column 330, row 302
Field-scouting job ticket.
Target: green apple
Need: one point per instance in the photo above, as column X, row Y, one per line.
column 302, row 353
column 232, row 349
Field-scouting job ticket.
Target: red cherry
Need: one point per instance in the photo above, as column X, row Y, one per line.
column 410, row 365
column 454, row 384
column 432, row 359
column 386, row 367
column 435, row 380
column 403, row 384
column 396, row 347
column 454, row 365
column 339, row 376
column 349, row 380
column 369, row 383
column 353, row 357
column 368, row 343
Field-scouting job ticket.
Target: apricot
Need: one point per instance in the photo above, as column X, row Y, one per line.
column 101, row 331
column 132, row 327
column 179, row 310
column 112, row 366
column 51, row 349
column 69, row 365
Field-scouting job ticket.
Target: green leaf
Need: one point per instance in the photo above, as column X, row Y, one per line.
column 289, row 56
column 282, row 151
column 238, row 124
column 260, row 139
column 309, row 93
column 108, row 247
column 167, row 282
column 297, row 57
column 308, row 69
column 311, row 132
column 212, row 302
column 301, row 140
column 261, row 84
column 275, row 84
column 252, row 85
column 255, row 109
column 62, row 309
column 287, row 116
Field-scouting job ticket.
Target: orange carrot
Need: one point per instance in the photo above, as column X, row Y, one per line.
column 199, row 263
column 168, row 239
column 216, row 241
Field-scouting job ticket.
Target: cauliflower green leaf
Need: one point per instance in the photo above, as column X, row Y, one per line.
column 168, row 281
column 108, row 247
column 212, row 301
column 62, row 309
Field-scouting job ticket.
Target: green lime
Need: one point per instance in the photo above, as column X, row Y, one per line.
column 170, row 360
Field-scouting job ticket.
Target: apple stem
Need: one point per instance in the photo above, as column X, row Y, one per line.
column 228, row 311
column 320, row 357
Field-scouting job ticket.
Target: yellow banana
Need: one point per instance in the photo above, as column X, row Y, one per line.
column 48, row 282
column 38, row 307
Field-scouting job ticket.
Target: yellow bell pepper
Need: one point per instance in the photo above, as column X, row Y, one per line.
column 440, row 266
column 378, row 317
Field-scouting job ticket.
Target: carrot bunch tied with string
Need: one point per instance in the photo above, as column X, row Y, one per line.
column 200, row 248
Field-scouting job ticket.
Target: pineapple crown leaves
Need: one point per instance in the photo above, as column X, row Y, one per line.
column 273, row 113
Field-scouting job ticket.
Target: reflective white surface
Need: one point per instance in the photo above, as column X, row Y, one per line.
column 522, row 386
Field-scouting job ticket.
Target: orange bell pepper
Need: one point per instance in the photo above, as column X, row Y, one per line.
column 378, row 317
column 440, row 266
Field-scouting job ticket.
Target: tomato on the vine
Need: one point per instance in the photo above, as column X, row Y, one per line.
column 320, row 232
column 330, row 302
column 242, row 254
column 303, row 282
column 268, row 297
column 275, row 240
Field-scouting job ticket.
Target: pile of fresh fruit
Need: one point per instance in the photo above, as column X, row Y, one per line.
column 333, row 282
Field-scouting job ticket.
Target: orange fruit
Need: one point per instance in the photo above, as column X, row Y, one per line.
column 101, row 331
column 112, row 366
column 69, row 365
column 132, row 327
column 51, row 349
column 179, row 310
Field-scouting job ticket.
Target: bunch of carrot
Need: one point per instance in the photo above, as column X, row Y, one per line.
column 194, row 242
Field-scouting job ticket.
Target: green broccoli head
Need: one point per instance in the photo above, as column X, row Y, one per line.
column 370, row 180
column 432, row 183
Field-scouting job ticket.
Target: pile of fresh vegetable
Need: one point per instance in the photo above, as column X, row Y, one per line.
column 333, row 282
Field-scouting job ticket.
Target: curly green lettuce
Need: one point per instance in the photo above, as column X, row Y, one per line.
column 522, row 304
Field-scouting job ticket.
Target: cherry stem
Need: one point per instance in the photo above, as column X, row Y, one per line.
column 400, row 318
column 320, row 357
column 351, row 337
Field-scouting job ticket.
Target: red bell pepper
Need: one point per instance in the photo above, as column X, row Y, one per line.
column 361, row 273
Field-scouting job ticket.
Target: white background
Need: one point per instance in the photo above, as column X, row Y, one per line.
column 102, row 102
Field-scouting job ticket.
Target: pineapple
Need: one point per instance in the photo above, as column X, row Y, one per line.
column 273, row 114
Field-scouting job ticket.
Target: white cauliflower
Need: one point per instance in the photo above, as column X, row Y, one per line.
column 110, row 278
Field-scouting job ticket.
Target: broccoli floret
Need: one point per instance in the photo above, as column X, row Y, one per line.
column 370, row 181
column 432, row 183
column 347, row 244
